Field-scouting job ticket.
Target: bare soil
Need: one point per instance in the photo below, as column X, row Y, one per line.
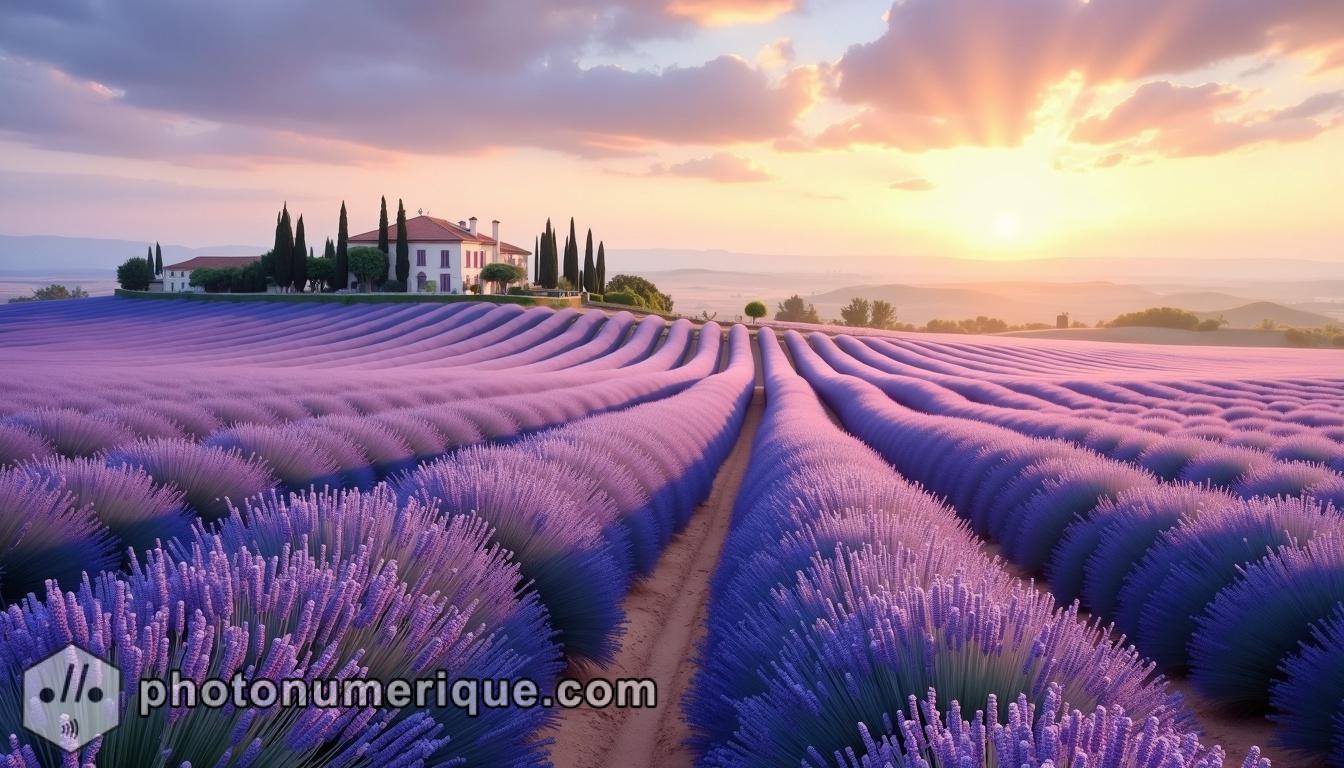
column 666, row 615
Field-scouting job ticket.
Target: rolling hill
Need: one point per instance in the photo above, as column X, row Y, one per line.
column 1254, row 314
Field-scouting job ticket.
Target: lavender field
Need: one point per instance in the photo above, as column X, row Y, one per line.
column 936, row 551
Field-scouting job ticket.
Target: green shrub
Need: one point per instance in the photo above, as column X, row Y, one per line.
column 648, row 293
column 1337, row 341
column 623, row 298
column 1210, row 325
column 1158, row 317
column 1299, row 338
column 944, row 326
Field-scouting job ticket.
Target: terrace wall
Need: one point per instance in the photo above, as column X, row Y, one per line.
column 358, row 298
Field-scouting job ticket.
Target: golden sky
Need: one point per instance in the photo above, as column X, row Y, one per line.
column 964, row 128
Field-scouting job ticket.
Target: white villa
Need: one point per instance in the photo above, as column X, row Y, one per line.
column 446, row 254
column 177, row 277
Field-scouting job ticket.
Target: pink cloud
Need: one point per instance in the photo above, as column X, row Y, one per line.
column 720, row 167
column 1175, row 120
column 716, row 13
column 978, row 70
column 51, row 110
column 914, row 184
column 460, row 78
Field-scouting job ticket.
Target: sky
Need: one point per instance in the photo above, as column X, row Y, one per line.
column 853, row 130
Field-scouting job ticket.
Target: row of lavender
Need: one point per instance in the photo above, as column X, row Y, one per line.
column 855, row 621
column 1286, row 402
column 111, row 489
column 279, row 335
column 104, row 402
column 494, row 562
column 1247, row 594
column 1242, row 449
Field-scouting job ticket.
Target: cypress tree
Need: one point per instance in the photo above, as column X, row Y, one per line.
column 299, row 259
column 382, row 228
column 158, row 260
column 536, row 261
column 541, row 261
column 284, row 251
column 149, row 256
column 550, row 271
column 268, row 258
column 572, row 256
column 403, row 249
column 600, row 279
column 329, row 251
column 555, row 260
column 589, row 268
column 342, row 252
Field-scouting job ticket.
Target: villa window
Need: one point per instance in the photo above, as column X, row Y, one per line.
column 420, row 258
column 420, row 279
column 446, row 282
column 443, row 259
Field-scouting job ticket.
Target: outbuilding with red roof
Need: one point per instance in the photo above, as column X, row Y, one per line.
column 177, row 277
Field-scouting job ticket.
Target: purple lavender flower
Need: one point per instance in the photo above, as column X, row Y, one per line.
column 125, row 499
column 207, row 476
column 1305, row 703
column 46, row 533
column 1263, row 617
column 19, row 444
column 1196, row 559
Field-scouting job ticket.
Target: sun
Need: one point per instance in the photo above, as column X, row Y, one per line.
column 1007, row 227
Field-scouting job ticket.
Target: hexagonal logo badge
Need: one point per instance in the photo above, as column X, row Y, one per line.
column 71, row 698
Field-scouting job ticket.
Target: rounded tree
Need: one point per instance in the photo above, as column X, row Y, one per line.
column 135, row 274
column 367, row 264
column 756, row 310
column 502, row 275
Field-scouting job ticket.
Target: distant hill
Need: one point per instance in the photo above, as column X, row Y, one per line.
column 1203, row 301
column 1139, row 335
column 1020, row 301
column 46, row 254
column 1253, row 314
column 1310, row 279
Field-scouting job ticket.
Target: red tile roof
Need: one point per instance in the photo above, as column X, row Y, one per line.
column 430, row 229
column 212, row 262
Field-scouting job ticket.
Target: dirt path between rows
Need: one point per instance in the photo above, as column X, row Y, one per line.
column 666, row 621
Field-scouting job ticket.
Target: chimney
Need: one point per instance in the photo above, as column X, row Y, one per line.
column 461, row 224
column 472, row 222
column 494, row 232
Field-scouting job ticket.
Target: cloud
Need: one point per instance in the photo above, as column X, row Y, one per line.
column 50, row 110
column 777, row 55
column 460, row 77
column 1155, row 105
column 80, row 189
column 718, row 13
column 1110, row 161
column 1181, row 121
column 914, row 184
column 720, row 167
column 951, row 72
